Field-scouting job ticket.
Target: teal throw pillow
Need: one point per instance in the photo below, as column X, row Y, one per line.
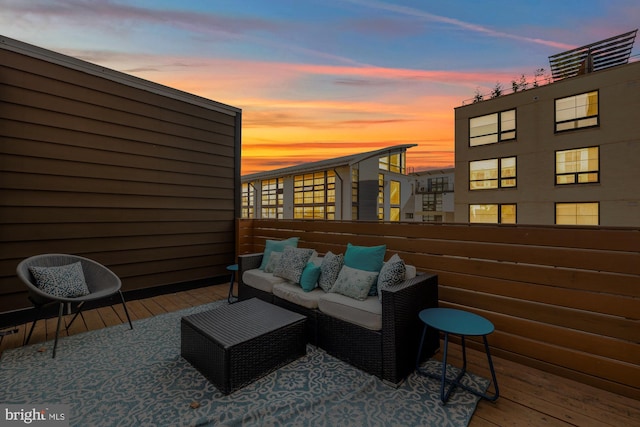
column 276, row 246
column 310, row 275
column 367, row 258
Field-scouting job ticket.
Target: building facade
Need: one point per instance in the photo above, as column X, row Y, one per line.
column 564, row 153
column 371, row 186
column 434, row 196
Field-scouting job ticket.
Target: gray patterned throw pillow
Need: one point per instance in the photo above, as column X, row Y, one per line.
column 274, row 260
column 391, row 274
column 354, row 283
column 292, row 262
column 329, row 270
column 65, row 281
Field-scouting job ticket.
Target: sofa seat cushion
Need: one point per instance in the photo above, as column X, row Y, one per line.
column 258, row 279
column 367, row 313
column 295, row 294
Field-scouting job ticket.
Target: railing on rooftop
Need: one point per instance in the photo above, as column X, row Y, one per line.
column 563, row 299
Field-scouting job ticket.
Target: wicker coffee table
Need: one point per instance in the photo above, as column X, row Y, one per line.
column 236, row 344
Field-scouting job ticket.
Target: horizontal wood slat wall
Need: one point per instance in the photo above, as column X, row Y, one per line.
column 563, row 299
column 139, row 180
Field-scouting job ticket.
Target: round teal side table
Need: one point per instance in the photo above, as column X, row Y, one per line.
column 462, row 323
column 232, row 268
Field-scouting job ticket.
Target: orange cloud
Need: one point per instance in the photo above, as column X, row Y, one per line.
column 390, row 106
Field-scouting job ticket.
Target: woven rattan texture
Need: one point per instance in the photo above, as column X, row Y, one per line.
column 236, row 344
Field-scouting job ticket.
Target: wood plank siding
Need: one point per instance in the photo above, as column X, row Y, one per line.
column 138, row 176
column 563, row 299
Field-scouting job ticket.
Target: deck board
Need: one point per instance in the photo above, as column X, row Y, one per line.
column 528, row 396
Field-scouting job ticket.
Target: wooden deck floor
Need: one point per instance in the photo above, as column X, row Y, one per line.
column 528, row 397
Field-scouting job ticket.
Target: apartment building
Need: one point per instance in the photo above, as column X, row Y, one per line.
column 370, row 186
column 564, row 153
column 433, row 198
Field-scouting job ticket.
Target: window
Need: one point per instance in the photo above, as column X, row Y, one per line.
column 272, row 205
column 381, row 197
column 393, row 163
column 493, row 213
column 492, row 128
column 355, row 181
column 248, row 202
column 580, row 166
column 575, row 112
column 394, row 201
column 438, row 185
column 432, row 202
column 578, row 213
column 314, row 195
column 492, row 173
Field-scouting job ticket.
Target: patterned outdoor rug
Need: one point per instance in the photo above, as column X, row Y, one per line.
column 121, row 377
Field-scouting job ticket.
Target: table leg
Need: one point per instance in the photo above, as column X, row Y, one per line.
column 453, row 383
column 424, row 333
column 493, row 373
column 231, row 299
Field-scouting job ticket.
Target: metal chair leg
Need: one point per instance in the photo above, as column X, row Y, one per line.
column 55, row 344
column 125, row 309
column 79, row 312
column 33, row 325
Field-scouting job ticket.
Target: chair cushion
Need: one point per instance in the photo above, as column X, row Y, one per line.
column 276, row 246
column 260, row 280
column 367, row 313
column 354, row 283
column 292, row 263
column 295, row 294
column 65, row 281
column 329, row 270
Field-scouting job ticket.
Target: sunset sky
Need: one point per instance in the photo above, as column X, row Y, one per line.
column 325, row 78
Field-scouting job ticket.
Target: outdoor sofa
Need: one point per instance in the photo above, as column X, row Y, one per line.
column 378, row 332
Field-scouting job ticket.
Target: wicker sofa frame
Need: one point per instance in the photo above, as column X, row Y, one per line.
column 389, row 353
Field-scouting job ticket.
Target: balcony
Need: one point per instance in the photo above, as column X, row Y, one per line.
column 529, row 396
column 564, row 301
